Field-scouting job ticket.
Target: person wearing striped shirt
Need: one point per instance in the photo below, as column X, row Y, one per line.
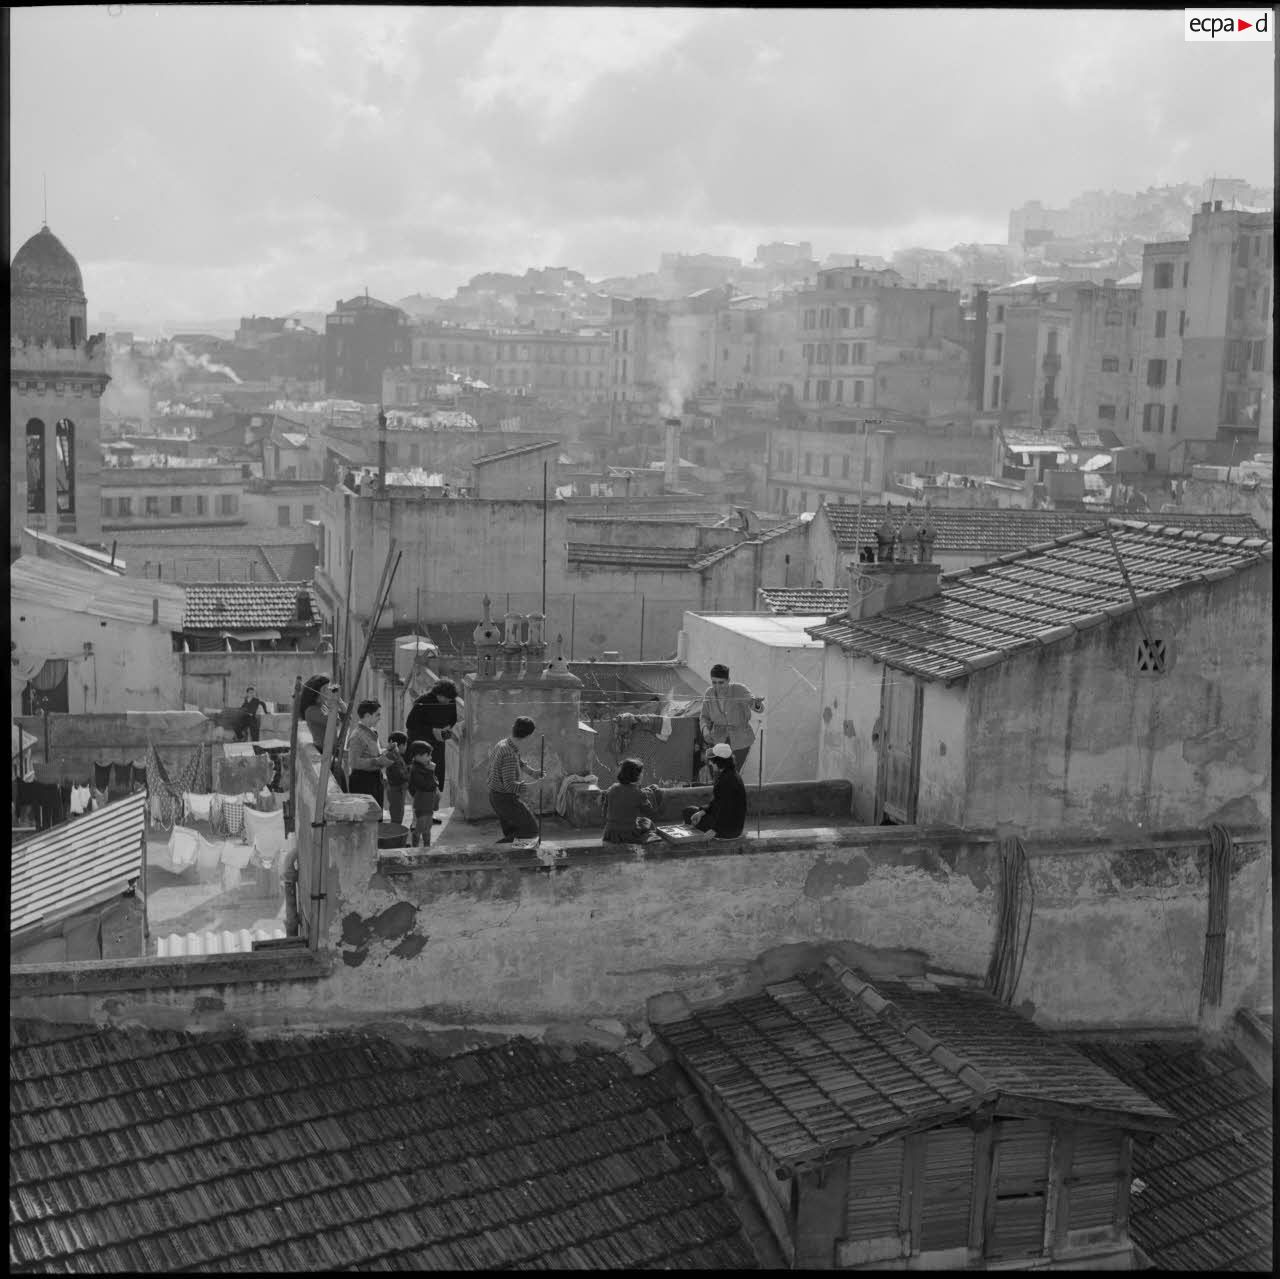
column 505, row 769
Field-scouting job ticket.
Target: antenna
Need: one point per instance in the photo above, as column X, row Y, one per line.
column 44, row 178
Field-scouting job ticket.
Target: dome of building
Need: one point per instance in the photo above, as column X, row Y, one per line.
column 45, row 263
column 46, row 293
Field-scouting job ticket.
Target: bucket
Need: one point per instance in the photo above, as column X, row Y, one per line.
column 392, row 835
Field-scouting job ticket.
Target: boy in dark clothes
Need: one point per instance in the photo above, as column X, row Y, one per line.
column 422, row 786
column 727, row 813
column 397, row 777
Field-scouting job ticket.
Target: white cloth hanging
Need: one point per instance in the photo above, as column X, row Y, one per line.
column 196, row 807
column 80, row 797
column 665, row 731
column 183, row 843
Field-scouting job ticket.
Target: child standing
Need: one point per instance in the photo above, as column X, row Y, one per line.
column 397, row 777
column 422, row 786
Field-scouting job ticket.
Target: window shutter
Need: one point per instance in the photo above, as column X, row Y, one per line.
column 1094, row 1182
column 1021, row 1178
column 948, row 1187
column 874, row 1199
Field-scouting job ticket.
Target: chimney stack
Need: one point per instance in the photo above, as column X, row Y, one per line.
column 1217, row 206
column 671, row 466
column 876, row 587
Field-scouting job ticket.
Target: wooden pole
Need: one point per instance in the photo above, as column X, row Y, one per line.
column 320, row 880
column 544, row 540
column 759, row 781
column 346, row 625
column 542, row 769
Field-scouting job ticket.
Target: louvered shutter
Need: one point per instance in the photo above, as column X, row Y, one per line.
column 948, row 1188
column 1094, row 1183
column 874, row 1200
column 1021, row 1180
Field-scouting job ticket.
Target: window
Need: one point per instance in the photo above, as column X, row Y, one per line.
column 1153, row 417
column 1173, row 421
column 839, row 385
column 1230, row 407
column 1162, row 318
column 282, row 516
column 1237, row 302
column 35, row 467
column 1156, row 371
column 1177, row 373
column 308, row 512
column 1182, row 323
column 1152, row 656
column 824, row 352
column 804, row 500
column 810, row 318
column 824, row 389
column 1237, row 355
column 858, row 352
column 842, row 353
column 1258, row 360
column 107, row 507
column 999, row 315
column 1242, row 251
column 65, row 438
column 175, row 506
column 859, row 316
column 843, row 316
column 806, row 352
column 995, row 392
column 1186, row 273
column 1106, row 412
column 845, row 463
column 226, row 503
column 826, row 464
column 997, row 355
column 857, row 391
column 152, row 505
column 1051, row 346
column 1110, row 364
column 806, row 389
column 1162, row 277
column 125, row 505
column 824, row 321
column 1021, row 1164
column 808, row 463
column 1114, row 316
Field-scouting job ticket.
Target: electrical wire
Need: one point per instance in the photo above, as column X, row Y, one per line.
column 1215, row 938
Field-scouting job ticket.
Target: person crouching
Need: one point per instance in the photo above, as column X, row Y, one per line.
column 424, row 792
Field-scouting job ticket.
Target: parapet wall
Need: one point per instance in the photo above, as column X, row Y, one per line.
column 489, row 937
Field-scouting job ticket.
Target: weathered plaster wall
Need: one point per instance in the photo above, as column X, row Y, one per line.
column 942, row 752
column 219, row 679
column 850, row 707
column 1070, row 738
column 131, row 667
column 1116, row 936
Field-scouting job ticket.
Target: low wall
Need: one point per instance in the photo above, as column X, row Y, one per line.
column 776, row 799
column 489, row 936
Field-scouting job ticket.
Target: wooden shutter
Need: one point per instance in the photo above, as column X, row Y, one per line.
column 1094, row 1182
column 874, row 1201
column 1020, row 1182
column 947, row 1188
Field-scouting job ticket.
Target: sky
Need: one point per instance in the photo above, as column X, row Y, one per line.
column 206, row 160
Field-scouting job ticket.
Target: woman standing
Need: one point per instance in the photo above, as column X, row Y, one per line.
column 432, row 718
column 317, row 696
column 629, row 810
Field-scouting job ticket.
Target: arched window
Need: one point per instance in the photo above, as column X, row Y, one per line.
column 35, row 467
column 65, row 438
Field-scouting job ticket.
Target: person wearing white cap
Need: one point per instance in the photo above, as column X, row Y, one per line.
column 726, row 713
column 727, row 812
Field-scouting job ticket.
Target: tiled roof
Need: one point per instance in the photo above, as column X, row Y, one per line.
column 803, row 599
column 163, row 1150
column 709, row 558
column 669, row 557
column 518, row 451
column 985, row 614
column 1206, row 1200
column 821, row 1062
column 78, row 863
column 246, row 605
column 964, row 531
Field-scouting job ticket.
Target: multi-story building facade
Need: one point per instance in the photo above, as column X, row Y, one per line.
column 1204, row 362
column 1060, row 354
column 842, row 461
column 171, row 496
column 363, row 338
column 57, row 375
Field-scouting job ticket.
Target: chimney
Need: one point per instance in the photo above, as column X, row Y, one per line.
column 876, row 587
column 1217, row 206
column 671, row 468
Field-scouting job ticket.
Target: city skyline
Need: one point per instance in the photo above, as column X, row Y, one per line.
column 306, row 154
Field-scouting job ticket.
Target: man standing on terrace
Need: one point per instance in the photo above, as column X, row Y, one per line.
column 726, row 714
column 514, row 815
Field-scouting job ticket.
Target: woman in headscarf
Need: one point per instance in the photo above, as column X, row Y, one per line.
column 431, row 719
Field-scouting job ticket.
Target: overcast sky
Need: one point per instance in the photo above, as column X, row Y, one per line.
column 217, row 160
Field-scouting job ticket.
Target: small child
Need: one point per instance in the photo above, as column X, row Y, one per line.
column 422, row 786
column 397, row 777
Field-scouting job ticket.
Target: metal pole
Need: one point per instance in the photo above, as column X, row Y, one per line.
column 544, row 540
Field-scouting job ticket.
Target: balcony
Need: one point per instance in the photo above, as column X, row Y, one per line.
column 1051, row 363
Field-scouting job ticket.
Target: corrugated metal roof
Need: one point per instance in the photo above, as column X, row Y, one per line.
column 77, row 863
column 120, row 599
column 986, row 614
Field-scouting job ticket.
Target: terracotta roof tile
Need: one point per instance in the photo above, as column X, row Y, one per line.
column 519, row 451
column 985, row 614
column 1207, row 1200
column 653, row 557
column 347, row 1150
column 823, row 1061
column 803, row 599
column 963, row 531
column 246, row 605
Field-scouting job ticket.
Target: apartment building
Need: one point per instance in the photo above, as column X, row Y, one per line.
column 842, row 461
column 363, row 338
column 1061, row 354
column 1204, row 364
